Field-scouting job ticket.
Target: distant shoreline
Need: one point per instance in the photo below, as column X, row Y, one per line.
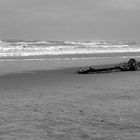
column 19, row 66
column 76, row 56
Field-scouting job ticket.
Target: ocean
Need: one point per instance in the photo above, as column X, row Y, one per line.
column 57, row 50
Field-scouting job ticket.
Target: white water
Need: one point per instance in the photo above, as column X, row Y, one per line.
column 36, row 48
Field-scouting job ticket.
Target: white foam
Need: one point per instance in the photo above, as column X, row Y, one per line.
column 60, row 48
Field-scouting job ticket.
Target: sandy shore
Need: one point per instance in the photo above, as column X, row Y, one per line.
column 46, row 102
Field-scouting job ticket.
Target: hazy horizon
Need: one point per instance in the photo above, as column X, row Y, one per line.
column 70, row 20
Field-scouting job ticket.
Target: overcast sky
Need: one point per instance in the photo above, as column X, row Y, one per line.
column 70, row 19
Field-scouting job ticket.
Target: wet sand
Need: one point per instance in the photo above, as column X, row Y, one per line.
column 51, row 102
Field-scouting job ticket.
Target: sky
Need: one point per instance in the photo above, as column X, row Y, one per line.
column 70, row 19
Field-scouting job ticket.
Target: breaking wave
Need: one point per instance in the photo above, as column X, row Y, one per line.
column 36, row 48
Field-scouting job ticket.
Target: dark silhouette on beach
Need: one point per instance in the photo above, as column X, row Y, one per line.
column 131, row 65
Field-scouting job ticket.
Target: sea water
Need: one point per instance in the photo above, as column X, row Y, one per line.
column 42, row 50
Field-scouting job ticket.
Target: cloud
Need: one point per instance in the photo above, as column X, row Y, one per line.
column 60, row 19
column 121, row 4
column 129, row 4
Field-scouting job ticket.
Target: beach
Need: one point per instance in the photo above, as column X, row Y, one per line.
column 69, row 69
column 47, row 100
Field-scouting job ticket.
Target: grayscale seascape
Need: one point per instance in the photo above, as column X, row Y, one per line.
column 43, row 43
